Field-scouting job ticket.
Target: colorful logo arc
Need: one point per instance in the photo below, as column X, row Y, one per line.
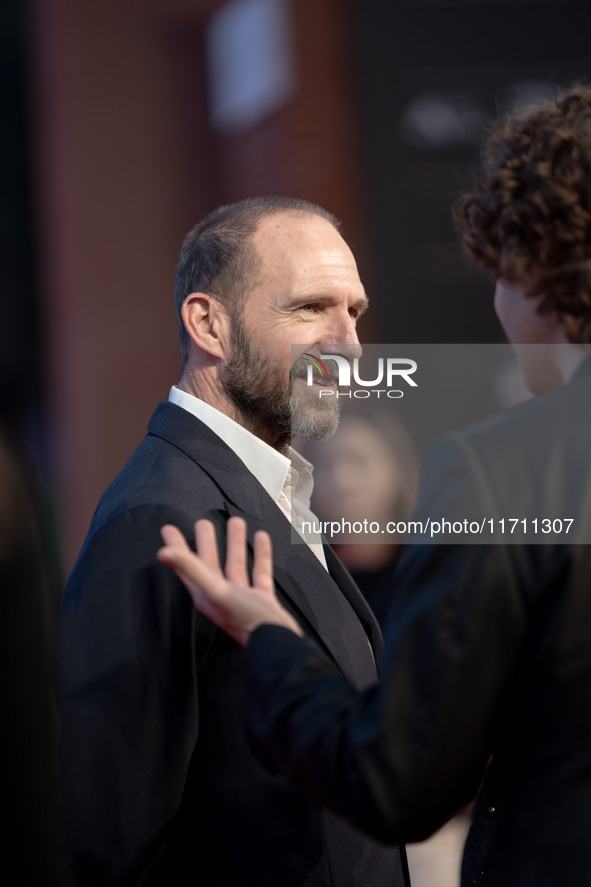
column 316, row 362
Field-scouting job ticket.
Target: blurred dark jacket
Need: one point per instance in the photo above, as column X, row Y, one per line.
column 488, row 652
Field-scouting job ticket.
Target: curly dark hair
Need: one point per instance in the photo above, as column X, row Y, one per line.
column 529, row 216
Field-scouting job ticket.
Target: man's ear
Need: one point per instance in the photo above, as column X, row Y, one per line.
column 207, row 324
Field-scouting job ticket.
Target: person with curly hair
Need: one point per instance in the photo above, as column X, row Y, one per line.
column 528, row 221
column 487, row 647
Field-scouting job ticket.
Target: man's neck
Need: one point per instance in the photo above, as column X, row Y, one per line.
column 208, row 390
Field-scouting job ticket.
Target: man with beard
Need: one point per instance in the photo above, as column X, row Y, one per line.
column 159, row 786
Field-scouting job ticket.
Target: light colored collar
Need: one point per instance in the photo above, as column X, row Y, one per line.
column 302, row 477
column 269, row 466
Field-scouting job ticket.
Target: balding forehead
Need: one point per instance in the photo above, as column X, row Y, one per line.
column 290, row 235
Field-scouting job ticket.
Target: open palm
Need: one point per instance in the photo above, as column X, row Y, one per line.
column 227, row 597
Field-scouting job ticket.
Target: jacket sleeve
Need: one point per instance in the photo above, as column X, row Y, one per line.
column 127, row 651
column 399, row 759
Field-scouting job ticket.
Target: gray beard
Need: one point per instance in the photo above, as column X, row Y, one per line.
column 264, row 401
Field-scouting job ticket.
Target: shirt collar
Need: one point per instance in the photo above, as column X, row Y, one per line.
column 303, row 479
column 270, row 467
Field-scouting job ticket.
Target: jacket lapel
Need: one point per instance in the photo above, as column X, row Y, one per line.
column 355, row 597
column 332, row 612
column 312, row 594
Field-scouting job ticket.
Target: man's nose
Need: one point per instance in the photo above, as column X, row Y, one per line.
column 344, row 339
column 348, row 350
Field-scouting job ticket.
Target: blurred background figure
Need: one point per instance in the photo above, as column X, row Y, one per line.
column 368, row 471
column 29, row 596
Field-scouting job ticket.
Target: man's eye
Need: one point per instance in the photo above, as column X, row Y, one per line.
column 308, row 308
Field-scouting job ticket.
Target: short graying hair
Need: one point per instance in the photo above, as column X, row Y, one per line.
column 218, row 257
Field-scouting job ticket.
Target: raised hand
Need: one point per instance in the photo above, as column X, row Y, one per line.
column 227, row 597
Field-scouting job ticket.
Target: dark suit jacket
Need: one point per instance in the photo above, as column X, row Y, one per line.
column 488, row 652
column 159, row 786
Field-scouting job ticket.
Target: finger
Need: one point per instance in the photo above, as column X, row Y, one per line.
column 172, row 536
column 236, row 571
column 206, row 544
column 203, row 582
column 206, row 589
column 262, row 571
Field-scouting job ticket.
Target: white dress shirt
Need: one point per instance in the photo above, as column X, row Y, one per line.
column 288, row 482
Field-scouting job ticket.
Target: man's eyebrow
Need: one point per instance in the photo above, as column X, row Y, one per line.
column 362, row 305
